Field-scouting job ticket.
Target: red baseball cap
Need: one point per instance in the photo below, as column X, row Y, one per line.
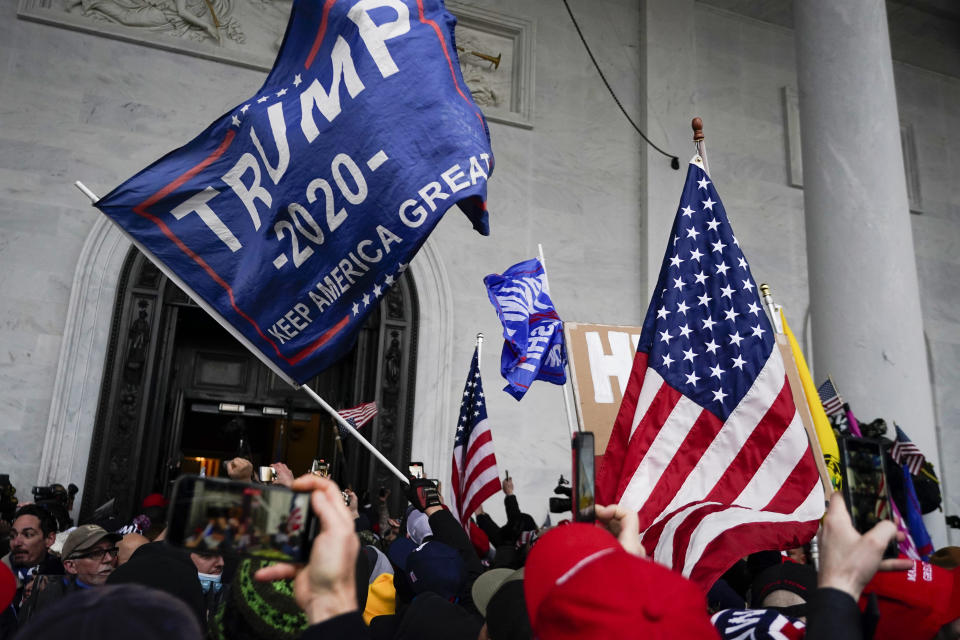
column 155, row 500
column 580, row 583
column 915, row 603
column 8, row 586
column 478, row 538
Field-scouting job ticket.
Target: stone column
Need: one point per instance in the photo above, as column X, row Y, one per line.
column 864, row 292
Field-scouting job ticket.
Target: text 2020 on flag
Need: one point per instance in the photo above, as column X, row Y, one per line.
column 291, row 215
column 708, row 446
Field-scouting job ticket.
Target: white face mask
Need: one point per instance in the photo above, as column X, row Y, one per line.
column 210, row 581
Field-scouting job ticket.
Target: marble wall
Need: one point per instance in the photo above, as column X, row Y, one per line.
column 742, row 65
column 80, row 106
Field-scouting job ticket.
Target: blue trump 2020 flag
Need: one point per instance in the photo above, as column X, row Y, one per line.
column 533, row 347
column 291, row 215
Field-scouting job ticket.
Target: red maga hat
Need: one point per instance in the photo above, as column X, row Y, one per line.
column 580, row 583
column 8, row 586
column 915, row 603
column 155, row 500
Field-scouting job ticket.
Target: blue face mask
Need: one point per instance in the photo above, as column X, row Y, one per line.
column 210, row 582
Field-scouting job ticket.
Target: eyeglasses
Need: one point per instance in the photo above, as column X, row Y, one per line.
column 98, row 554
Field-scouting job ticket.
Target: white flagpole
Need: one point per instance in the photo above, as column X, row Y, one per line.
column 242, row 339
column 245, row 342
column 572, row 422
column 346, row 425
column 479, row 348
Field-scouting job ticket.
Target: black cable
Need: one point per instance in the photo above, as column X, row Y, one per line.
column 674, row 160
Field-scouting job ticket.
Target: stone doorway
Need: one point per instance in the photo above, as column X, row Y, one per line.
column 179, row 392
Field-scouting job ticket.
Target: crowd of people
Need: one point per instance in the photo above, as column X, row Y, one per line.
column 422, row 576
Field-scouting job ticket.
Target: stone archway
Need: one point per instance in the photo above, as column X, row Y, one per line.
column 90, row 321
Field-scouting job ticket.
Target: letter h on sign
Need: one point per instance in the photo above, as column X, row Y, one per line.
column 617, row 363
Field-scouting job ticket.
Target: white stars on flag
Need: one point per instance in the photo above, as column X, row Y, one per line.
column 707, row 327
column 378, row 290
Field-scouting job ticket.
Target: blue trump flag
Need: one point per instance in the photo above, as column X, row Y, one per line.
column 533, row 347
column 291, row 215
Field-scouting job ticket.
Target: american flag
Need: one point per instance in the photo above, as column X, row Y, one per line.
column 359, row 415
column 708, row 446
column 905, row 452
column 830, row 398
column 474, row 475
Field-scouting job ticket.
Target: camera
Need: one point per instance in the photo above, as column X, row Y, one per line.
column 45, row 493
column 58, row 500
column 561, row 504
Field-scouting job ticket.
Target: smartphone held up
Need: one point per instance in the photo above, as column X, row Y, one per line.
column 865, row 489
column 584, row 478
column 240, row 518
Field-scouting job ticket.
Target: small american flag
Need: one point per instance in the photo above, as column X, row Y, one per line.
column 708, row 446
column 905, row 452
column 830, row 398
column 360, row 414
column 474, row 475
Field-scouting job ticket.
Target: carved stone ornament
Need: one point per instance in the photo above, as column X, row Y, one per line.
column 248, row 33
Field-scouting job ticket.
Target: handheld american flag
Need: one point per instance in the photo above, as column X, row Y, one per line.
column 474, row 476
column 906, row 452
column 830, row 398
column 360, row 414
column 708, row 446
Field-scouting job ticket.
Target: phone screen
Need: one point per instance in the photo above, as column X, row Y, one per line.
column 416, row 469
column 865, row 485
column 239, row 518
column 583, row 477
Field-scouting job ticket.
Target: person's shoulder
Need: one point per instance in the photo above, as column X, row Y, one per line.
column 51, row 565
column 49, row 588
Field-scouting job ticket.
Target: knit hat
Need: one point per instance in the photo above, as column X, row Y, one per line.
column 915, row 603
column 800, row 579
column 436, row 567
column 580, row 583
column 381, row 598
column 258, row 609
column 418, row 527
column 378, row 561
column 757, row 624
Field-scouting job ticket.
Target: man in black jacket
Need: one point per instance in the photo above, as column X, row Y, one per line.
column 89, row 557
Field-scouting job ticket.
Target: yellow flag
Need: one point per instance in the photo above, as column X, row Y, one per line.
column 828, row 441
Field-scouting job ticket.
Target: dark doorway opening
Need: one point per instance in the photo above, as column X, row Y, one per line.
column 179, row 392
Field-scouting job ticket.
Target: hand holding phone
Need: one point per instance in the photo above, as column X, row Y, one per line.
column 865, row 490
column 849, row 560
column 240, row 518
column 326, row 586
